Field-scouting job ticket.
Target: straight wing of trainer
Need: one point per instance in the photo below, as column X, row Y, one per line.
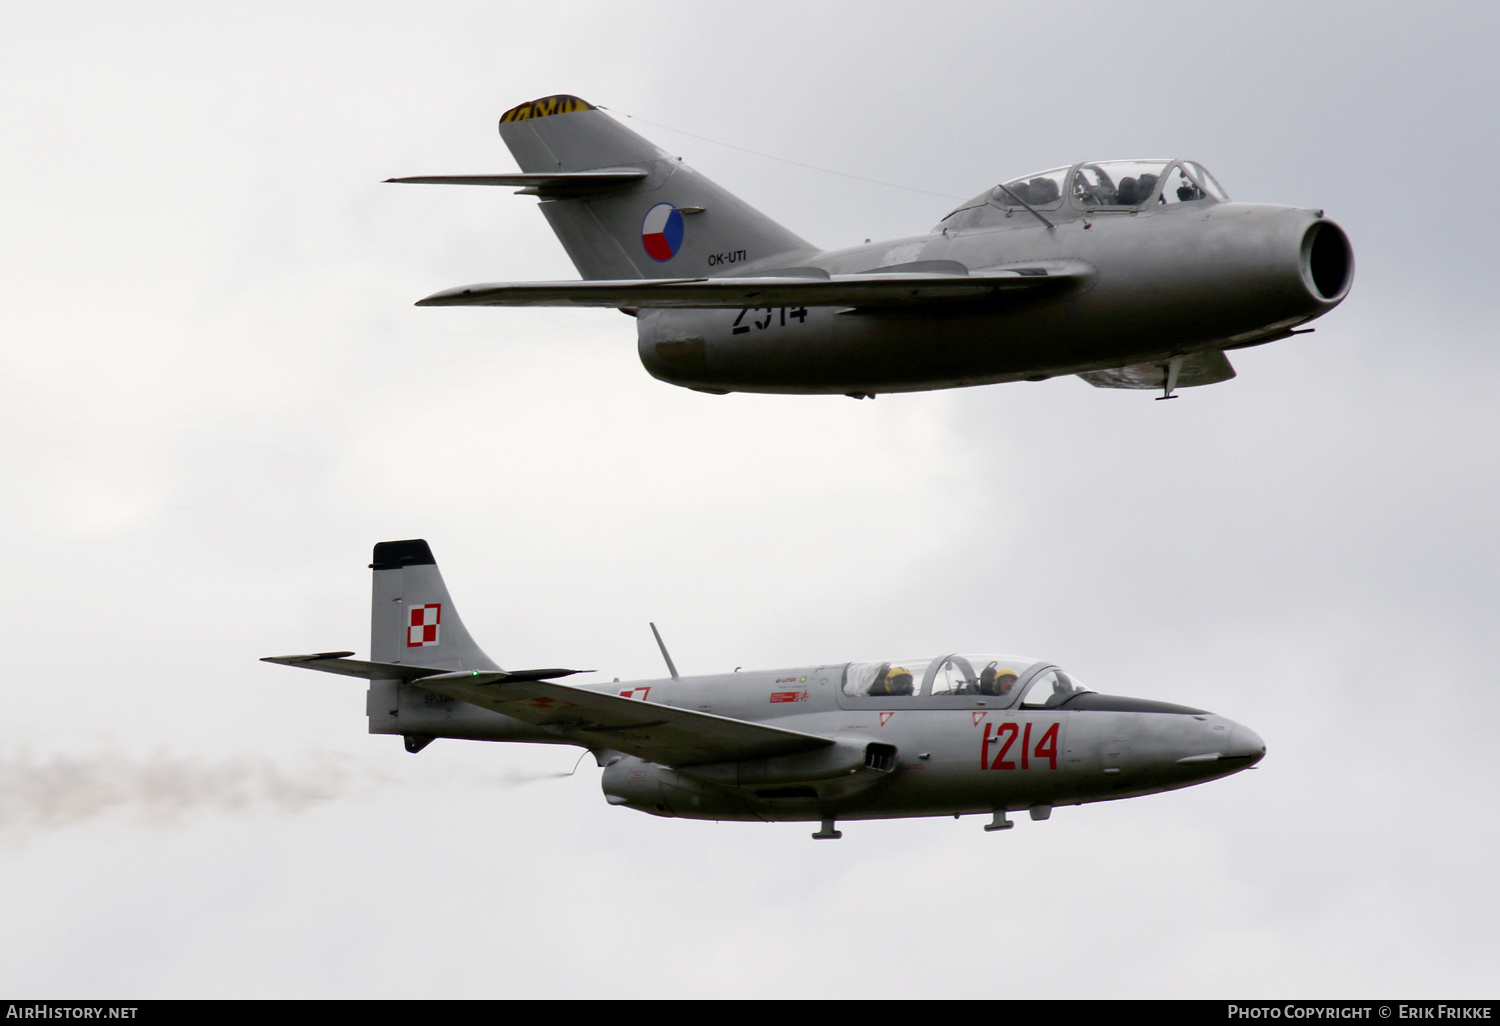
column 650, row 731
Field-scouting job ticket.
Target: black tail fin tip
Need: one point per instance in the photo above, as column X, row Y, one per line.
column 393, row 555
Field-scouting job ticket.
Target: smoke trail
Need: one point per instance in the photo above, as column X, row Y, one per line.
column 160, row 789
column 166, row 790
column 516, row 777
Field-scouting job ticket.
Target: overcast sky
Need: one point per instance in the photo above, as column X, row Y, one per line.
column 217, row 395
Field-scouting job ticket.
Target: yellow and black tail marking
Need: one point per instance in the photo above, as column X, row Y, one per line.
column 547, row 105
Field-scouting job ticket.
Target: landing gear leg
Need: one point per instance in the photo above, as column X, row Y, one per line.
column 998, row 823
column 827, row 833
column 1172, row 368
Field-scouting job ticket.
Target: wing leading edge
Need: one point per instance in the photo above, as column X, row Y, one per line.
column 791, row 287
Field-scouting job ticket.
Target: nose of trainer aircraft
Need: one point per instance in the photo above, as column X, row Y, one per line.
column 1245, row 744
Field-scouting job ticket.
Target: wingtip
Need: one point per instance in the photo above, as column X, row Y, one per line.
column 446, row 297
column 293, row 660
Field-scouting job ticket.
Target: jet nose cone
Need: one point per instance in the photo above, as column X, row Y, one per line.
column 1245, row 744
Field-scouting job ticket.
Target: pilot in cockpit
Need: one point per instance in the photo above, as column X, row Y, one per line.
column 1038, row 192
column 1134, row 191
column 892, row 680
column 994, row 681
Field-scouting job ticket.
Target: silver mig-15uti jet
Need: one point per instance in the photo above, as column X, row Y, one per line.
column 951, row 735
column 1128, row 273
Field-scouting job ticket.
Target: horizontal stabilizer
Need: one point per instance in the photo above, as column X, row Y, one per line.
column 1205, row 368
column 797, row 287
column 547, row 183
column 656, row 733
column 333, row 662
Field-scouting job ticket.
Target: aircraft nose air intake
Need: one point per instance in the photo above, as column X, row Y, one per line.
column 1245, row 743
column 1327, row 261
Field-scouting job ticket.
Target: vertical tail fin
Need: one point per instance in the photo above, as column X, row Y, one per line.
column 672, row 223
column 412, row 618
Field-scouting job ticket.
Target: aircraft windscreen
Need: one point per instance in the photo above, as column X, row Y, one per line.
column 1187, row 182
column 1040, row 190
column 953, row 674
column 1050, row 688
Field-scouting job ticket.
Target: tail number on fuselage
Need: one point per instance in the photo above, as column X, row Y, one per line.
column 1004, row 737
column 799, row 313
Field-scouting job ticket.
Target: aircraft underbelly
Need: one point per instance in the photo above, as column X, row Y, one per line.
column 834, row 351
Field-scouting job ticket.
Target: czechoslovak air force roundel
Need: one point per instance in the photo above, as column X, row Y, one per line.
column 661, row 232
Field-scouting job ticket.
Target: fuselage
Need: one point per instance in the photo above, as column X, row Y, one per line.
column 1168, row 281
column 931, row 752
column 1152, row 267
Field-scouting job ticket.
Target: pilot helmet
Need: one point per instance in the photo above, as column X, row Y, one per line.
column 898, row 681
column 992, row 681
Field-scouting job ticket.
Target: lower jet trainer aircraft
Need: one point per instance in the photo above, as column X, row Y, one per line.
column 955, row 735
column 1128, row 273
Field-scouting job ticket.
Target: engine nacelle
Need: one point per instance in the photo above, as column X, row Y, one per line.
column 663, row 791
column 732, row 790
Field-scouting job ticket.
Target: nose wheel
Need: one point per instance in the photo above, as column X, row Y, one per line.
column 1000, row 822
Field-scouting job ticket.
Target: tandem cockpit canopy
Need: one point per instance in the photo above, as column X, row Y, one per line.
column 1001, row 678
column 1105, row 185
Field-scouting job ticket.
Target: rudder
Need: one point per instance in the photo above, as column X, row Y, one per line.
column 672, row 223
column 412, row 617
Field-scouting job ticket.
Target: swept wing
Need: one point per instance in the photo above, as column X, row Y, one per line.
column 792, row 287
